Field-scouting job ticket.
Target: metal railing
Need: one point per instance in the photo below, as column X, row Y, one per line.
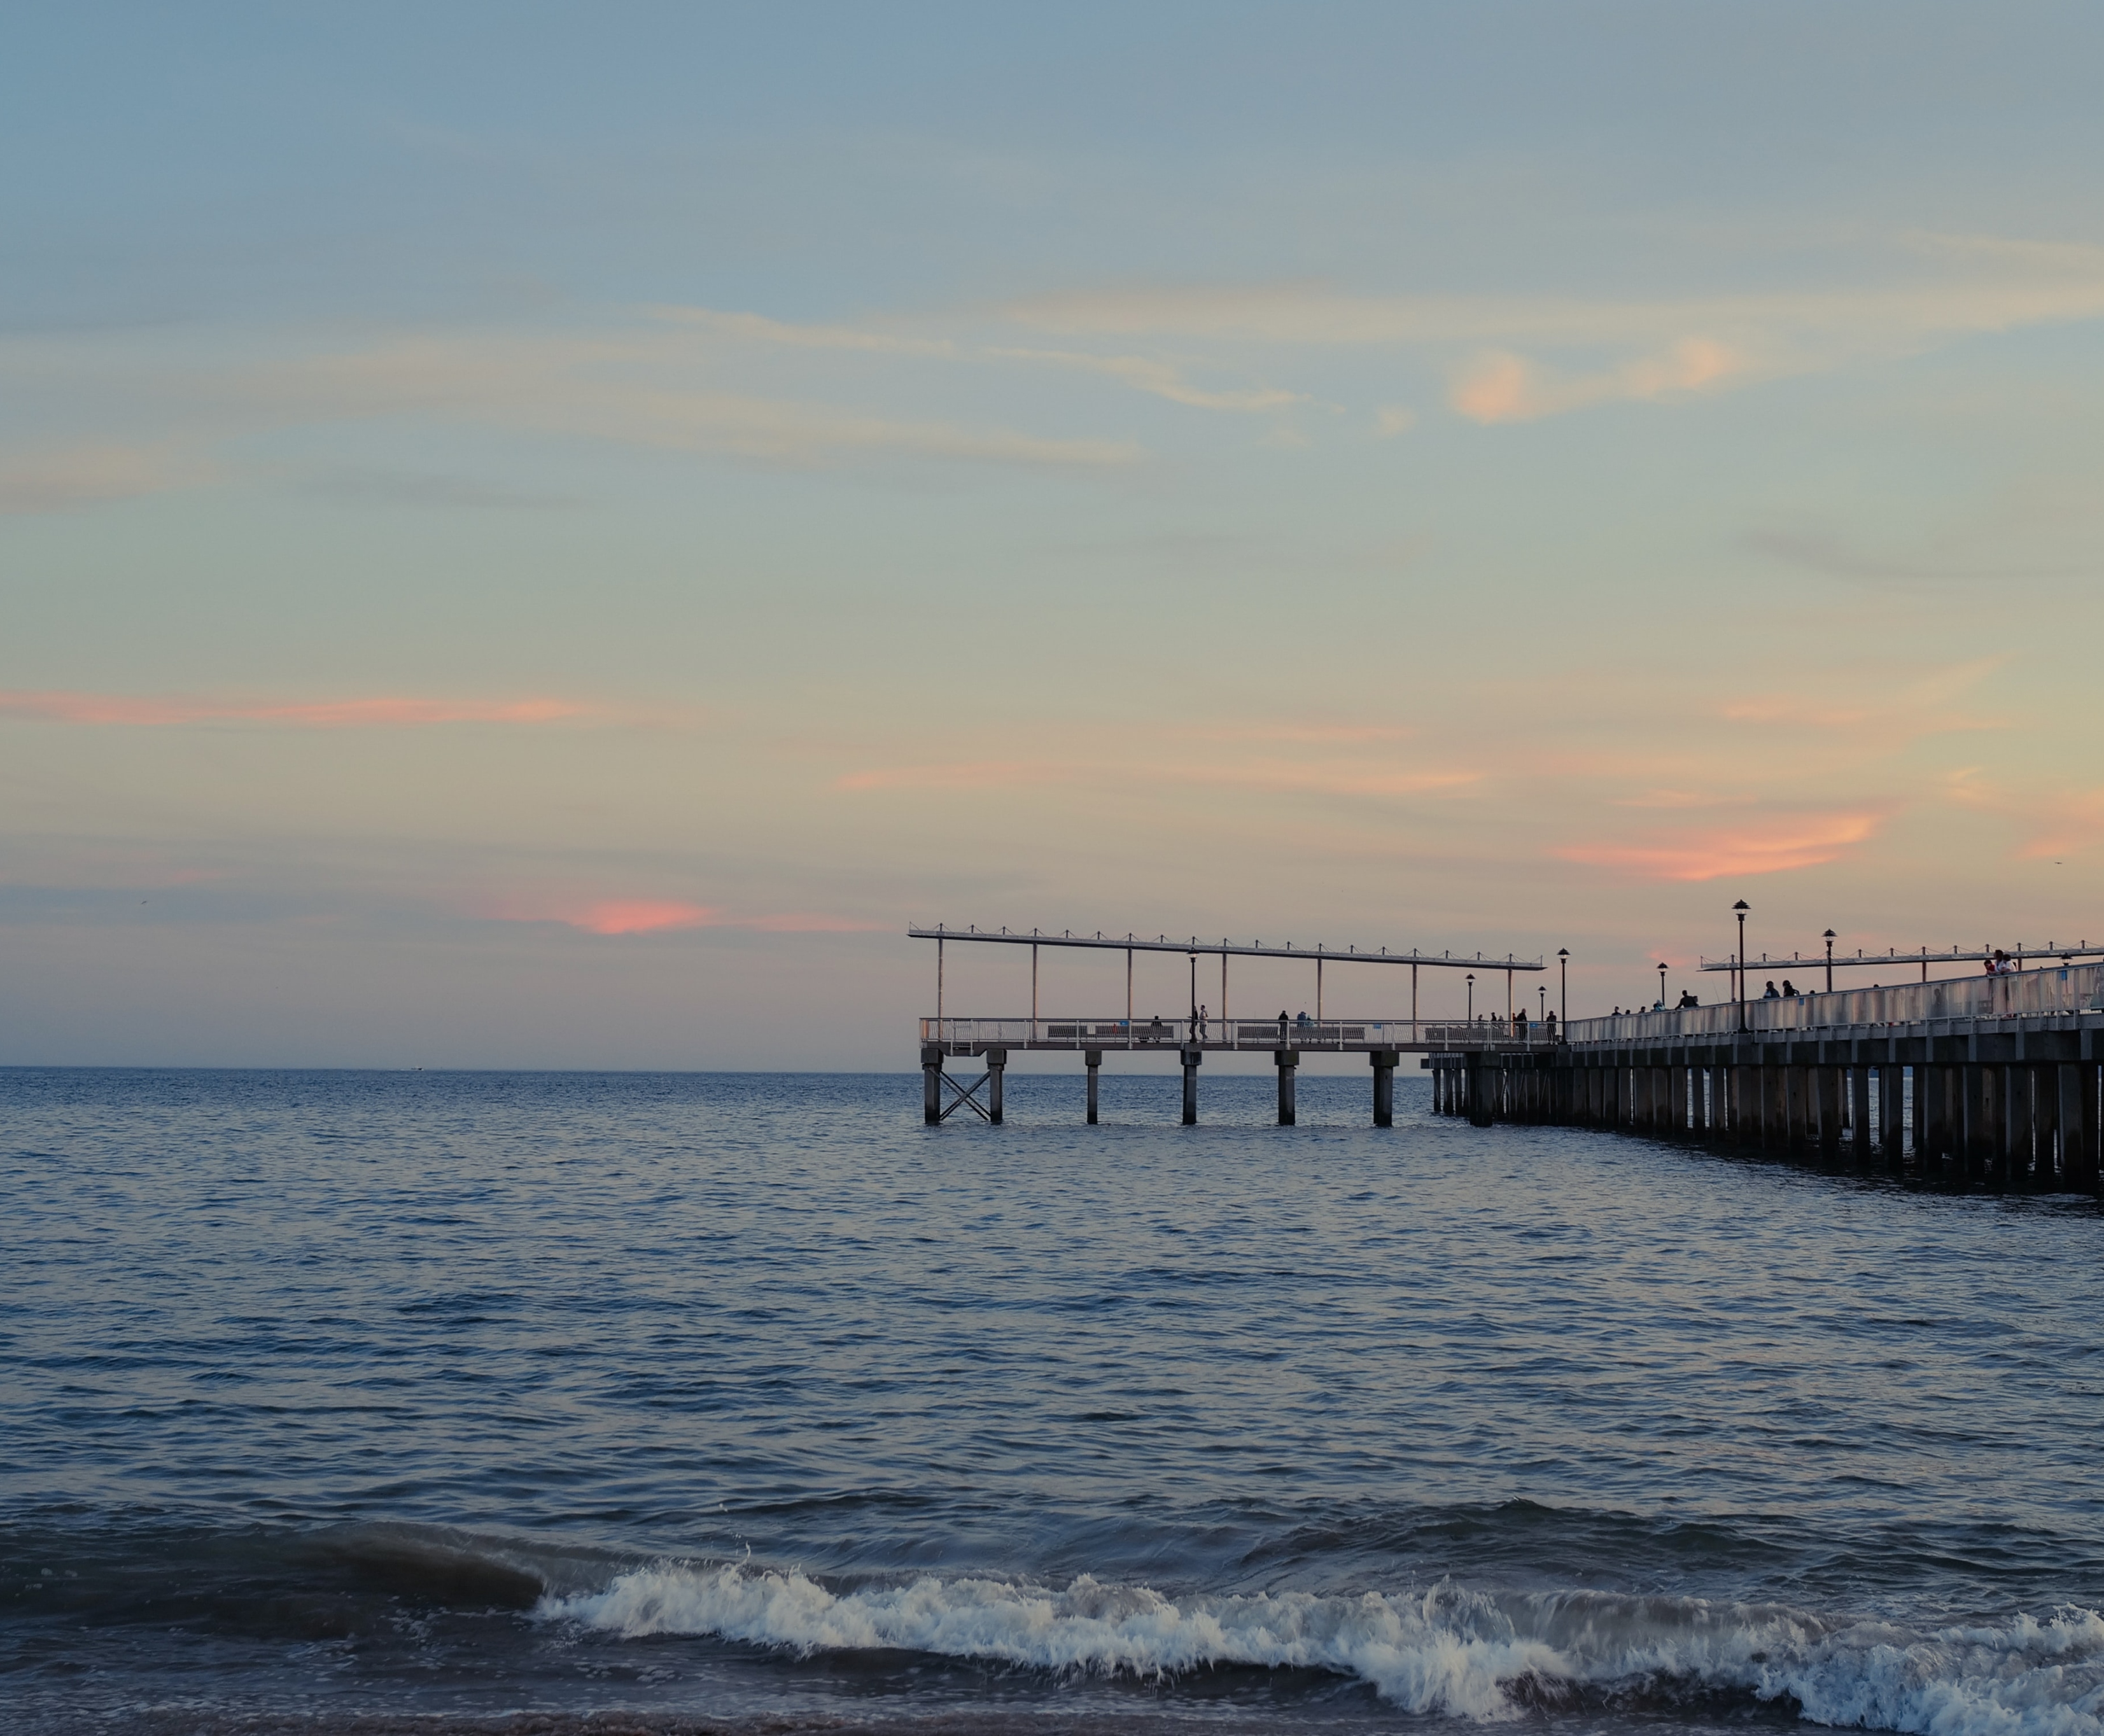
column 2059, row 988
column 1340, row 1036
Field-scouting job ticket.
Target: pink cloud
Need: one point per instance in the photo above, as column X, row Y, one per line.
column 1772, row 848
column 69, row 707
column 641, row 916
column 613, row 916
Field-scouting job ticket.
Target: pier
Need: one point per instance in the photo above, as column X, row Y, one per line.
column 1189, row 1040
column 1978, row 1080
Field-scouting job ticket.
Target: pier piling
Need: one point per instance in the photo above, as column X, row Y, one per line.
column 1383, row 1064
column 1095, row 1058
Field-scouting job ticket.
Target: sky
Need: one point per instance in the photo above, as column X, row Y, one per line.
column 548, row 537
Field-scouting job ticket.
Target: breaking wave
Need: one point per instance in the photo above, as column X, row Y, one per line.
column 1445, row 1649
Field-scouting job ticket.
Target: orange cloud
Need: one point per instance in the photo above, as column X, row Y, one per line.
column 1781, row 844
column 65, row 706
column 1499, row 386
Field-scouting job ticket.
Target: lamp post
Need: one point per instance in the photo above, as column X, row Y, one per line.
column 1829, row 961
column 1563, row 983
column 1542, row 989
column 1472, row 997
column 1661, row 988
column 1741, row 907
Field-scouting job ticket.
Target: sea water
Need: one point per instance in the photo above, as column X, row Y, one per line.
column 337, row 1396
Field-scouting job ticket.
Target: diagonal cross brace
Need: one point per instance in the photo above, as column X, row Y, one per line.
column 966, row 1095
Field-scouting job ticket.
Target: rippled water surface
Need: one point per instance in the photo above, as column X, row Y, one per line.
column 336, row 1394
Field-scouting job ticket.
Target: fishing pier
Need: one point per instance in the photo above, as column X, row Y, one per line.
column 991, row 1040
column 1982, row 1079
column 1988, row 1079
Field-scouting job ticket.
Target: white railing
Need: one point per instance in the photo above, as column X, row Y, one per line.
column 2065, row 988
column 1344, row 1034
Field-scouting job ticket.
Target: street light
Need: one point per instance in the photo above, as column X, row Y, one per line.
column 1563, row 981
column 1742, row 907
column 1829, row 961
column 1661, row 988
column 1542, row 989
column 1472, row 997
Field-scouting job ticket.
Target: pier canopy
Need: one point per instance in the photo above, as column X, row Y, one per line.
column 1194, row 949
column 1256, row 949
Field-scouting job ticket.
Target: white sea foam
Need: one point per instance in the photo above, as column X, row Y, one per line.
column 1443, row 1649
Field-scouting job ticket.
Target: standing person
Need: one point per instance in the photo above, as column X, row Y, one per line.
column 1519, row 1024
column 1281, row 1027
column 1771, row 993
column 1549, row 1025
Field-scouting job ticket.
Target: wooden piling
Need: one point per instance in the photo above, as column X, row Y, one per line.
column 1192, row 1055
column 1095, row 1058
column 996, row 1061
column 1383, row 1064
column 1826, row 1102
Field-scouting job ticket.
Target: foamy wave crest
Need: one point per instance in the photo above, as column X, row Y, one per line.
column 1444, row 1649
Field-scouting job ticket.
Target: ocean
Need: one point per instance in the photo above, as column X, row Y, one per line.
column 346, row 1401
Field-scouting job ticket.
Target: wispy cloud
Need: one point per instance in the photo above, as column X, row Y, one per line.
column 1273, row 774
column 33, row 482
column 1778, row 843
column 1499, row 386
column 619, row 916
column 1149, row 374
column 127, row 710
column 1926, row 290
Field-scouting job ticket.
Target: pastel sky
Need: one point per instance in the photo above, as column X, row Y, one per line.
column 538, row 536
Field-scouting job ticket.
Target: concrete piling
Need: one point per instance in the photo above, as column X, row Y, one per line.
column 1383, row 1064
column 1094, row 1059
column 931, row 1088
column 1289, row 1064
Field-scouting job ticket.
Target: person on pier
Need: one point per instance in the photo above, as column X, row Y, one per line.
column 1773, row 993
column 1789, row 989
